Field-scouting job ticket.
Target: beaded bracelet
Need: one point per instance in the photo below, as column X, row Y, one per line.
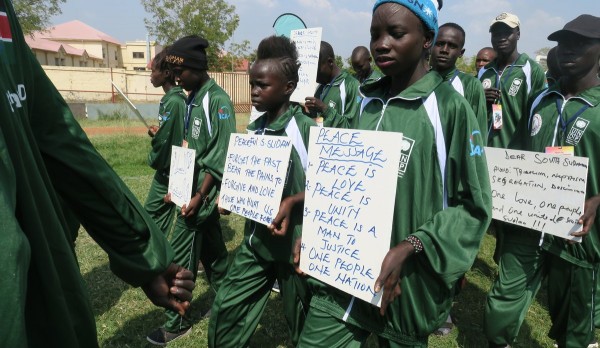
column 415, row 242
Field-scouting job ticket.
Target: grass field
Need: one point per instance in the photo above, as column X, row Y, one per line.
column 124, row 316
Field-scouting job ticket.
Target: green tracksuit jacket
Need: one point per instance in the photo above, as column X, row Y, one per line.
column 556, row 121
column 210, row 122
column 469, row 87
column 443, row 197
column 341, row 96
column 171, row 112
column 295, row 125
column 373, row 76
column 519, row 83
column 44, row 153
column 582, row 132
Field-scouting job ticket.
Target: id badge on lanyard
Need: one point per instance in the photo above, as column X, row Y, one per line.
column 497, row 116
column 561, row 150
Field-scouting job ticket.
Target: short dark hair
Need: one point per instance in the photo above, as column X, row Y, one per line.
column 159, row 62
column 283, row 50
column 457, row 27
column 326, row 51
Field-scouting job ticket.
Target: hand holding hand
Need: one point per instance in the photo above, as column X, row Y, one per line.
column 172, row 289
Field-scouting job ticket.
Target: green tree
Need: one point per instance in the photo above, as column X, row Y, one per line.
column 339, row 61
column 466, row 65
column 236, row 53
column 35, row 15
column 214, row 20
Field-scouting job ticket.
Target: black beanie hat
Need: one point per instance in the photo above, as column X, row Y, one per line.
column 190, row 52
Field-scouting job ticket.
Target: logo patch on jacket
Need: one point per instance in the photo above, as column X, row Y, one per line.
column 476, row 150
column 405, row 151
column 514, row 87
column 536, row 124
column 224, row 112
column 487, row 83
column 577, row 130
column 196, row 128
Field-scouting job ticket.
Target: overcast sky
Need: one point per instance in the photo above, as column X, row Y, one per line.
column 345, row 23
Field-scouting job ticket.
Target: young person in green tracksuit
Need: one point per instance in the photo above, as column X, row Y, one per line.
column 44, row 155
column 337, row 93
column 361, row 63
column 511, row 82
column 208, row 123
column 443, row 201
column 568, row 114
column 169, row 131
column 449, row 46
column 265, row 254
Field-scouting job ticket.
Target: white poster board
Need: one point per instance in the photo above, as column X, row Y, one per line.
column 181, row 174
column 308, row 44
column 544, row 192
column 255, row 172
column 350, row 193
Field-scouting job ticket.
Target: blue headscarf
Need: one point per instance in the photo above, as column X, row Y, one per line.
column 425, row 10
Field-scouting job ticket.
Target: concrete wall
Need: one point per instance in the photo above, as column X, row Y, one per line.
column 93, row 85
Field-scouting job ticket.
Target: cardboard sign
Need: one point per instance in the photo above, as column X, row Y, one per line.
column 544, row 192
column 308, row 44
column 181, row 174
column 254, row 176
column 350, row 185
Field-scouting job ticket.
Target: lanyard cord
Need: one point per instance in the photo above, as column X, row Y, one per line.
column 499, row 76
column 327, row 88
column 188, row 113
column 453, row 76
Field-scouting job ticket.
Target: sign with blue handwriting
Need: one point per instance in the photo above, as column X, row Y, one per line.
column 308, row 44
column 544, row 192
column 349, row 203
column 181, row 174
column 254, row 176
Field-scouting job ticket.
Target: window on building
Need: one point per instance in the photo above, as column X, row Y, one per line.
column 139, row 55
column 116, row 56
column 139, row 68
column 103, row 52
column 56, row 61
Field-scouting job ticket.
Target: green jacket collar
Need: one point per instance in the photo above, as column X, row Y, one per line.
column 422, row 88
column 202, row 91
column 590, row 96
column 279, row 124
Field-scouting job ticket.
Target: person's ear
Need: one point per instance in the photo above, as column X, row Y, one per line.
column 428, row 39
column 518, row 33
column 290, row 86
column 461, row 53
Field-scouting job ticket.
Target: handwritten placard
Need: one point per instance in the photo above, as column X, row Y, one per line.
column 544, row 192
column 349, row 201
column 308, row 44
column 181, row 174
column 254, row 175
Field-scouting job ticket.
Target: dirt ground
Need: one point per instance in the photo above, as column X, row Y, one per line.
column 90, row 131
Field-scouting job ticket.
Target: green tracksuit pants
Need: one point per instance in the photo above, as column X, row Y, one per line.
column 204, row 243
column 571, row 292
column 243, row 295
column 161, row 212
column 520, row 272
column 324, row 330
